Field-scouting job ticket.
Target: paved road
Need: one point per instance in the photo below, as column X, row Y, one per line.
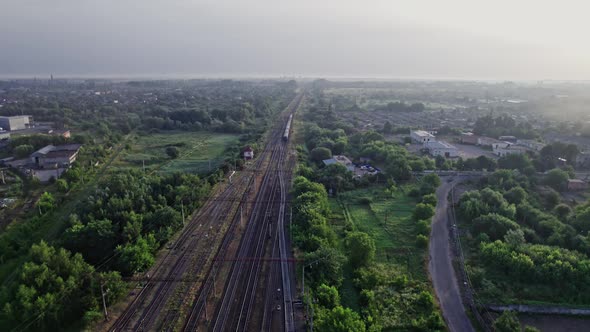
column 441, row 269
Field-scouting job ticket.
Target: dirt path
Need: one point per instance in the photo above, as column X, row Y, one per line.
column 440, row 266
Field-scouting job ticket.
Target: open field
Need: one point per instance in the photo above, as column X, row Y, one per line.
column 389, row 222
column 196, row 150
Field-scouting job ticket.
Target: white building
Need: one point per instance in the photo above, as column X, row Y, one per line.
column 17, row 122
column 502, row 150
column 441, row 148
column 248, row 153
column 422, row 137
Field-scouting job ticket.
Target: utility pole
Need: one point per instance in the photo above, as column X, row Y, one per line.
column 206, row 319
column 182, row 209
column 241, row 217
column 104, row 301
column 214, row 277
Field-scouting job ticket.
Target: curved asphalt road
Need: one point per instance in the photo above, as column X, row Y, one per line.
column 441, row 269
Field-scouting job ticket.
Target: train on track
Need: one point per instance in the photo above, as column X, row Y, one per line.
column 288, row 128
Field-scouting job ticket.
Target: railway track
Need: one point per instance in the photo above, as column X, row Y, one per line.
column 253, row 276
column 188, row 270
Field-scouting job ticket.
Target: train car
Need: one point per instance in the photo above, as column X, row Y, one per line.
column 287, row 129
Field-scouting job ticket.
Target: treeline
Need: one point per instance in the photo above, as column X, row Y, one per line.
column 403, row 107
column 526, row 236
column 122, row 107
column 503, row 125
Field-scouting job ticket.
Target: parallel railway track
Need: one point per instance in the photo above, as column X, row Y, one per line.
column 186, row 275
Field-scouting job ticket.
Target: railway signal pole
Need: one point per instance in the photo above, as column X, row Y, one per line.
column 104, row 302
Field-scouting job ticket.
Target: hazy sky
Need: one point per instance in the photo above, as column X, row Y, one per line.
column 500, row 39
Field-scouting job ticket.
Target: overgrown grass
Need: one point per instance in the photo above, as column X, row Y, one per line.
column 197, row 150
column 388, row 220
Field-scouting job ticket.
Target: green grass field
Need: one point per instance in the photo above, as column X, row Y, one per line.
column 389, row 222
column 196, row 150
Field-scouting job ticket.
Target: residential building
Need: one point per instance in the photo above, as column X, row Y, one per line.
column 421, row 136
column 17, row 122
column 440, row 148
column 576, row 185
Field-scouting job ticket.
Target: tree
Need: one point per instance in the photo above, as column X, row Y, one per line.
column 172, row 152
column 338, row 319
column 327, row 296
column 514, row 237
column 557, row 179
column 360, row 248
column 46, row 202
column 515, row 195
column 53, row 290
column 429, row 199
column 23, row 151
column 494, row 225
column 336, row 177
column 423, row 227
column 421, row 241
column 387, row 127
column 318, row 154
column 429, row 183
column 562, row 211
column 515, row 161
column 62, row 185
column 507, row 322
column 423, row 211
column 138, row 256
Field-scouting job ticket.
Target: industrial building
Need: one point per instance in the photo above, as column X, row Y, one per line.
column 56, row 156
column 505, row 148
column 17, row 122
column 441, row 148
column 422, row 137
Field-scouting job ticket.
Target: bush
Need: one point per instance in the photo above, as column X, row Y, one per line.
column 172, row 152
column 421, row 241
column 423, row 211
column 429, row 199
column 62, row 185
column 423, row 227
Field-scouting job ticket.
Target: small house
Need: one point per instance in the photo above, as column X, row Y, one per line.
column 248, row 153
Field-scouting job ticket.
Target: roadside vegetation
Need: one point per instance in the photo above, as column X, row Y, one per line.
column 524, row 240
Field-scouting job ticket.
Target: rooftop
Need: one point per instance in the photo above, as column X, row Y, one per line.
column 422, row 133
column 440, row 145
